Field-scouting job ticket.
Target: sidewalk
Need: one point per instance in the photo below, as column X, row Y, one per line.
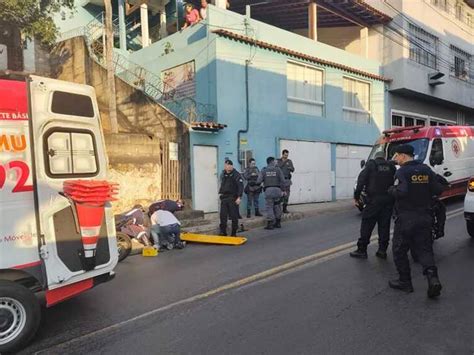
column 210, row 223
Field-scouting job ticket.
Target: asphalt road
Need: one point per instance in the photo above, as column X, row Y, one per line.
column 293, row 290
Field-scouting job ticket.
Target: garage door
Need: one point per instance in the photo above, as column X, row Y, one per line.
column 312, row 177
column 348, row 159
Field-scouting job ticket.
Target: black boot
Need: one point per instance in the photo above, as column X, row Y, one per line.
column 223, row 233
column 434, row 286
column 359, row 253
column 234, row 233
column 248, row 213
column 402, row 285
column 381, row 253
column 257, row 213
column 269, row 225
column 278, row 223
column 285, row 208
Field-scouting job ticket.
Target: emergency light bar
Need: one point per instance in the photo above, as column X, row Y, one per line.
column 402, row 129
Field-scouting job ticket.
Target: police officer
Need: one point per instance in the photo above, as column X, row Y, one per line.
column 232, row 187
column 286, row 166
column 415, row 184
column 273, row 184
column 252, row 189
column 376, row 178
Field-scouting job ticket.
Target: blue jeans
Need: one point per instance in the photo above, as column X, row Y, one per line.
column 161, row 234
column 252, row 199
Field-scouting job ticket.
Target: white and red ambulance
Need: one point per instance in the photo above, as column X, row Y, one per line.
column 448, row 150
column 57, row 231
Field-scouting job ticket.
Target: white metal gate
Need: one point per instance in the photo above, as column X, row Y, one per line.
column 348, row 159
column 312, row 176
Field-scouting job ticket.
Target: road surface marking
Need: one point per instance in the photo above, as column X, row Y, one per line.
column 256, row 278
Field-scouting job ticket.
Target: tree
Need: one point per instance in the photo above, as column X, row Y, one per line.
column 34, row 18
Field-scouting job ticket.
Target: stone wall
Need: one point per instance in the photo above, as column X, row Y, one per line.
column 138, row 155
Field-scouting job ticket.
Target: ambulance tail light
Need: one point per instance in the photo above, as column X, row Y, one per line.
column 470, row 185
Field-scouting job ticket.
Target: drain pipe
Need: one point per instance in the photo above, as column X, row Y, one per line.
column 247, row 111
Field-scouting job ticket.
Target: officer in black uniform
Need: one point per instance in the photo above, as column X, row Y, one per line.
column 415, row 184
column 232, row 187
column 376, row 178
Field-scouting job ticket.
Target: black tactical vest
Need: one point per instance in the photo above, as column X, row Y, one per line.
column 271, row 178
column 381, row 178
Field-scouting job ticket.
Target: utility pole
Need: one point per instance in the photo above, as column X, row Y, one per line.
column 109, row 57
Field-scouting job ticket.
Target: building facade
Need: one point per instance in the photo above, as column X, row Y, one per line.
column 279, row 91
column 427, row 49
column 247, row 88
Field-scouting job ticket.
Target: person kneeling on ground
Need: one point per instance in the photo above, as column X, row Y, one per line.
column 166, row 231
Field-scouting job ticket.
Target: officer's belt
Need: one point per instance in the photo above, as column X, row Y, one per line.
column 266, row 187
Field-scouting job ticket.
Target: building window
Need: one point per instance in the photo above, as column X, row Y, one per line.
column 423, row 47
column 66, row 103
column 356, row 101
column 469, row 20
column 71, row 153
column 399, row 120
column 305, row 89
column 460, row 63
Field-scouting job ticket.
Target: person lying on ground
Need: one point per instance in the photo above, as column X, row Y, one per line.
column 167, row 205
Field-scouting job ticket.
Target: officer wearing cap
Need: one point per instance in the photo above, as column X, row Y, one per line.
column 287, row 167
column 273, row 184
column 376, row 177
column 231, row 190
column 415, row 184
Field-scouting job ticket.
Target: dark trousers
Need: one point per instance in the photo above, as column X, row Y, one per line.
column 229, row 209
column 439, row 210
column 252, row 199
column 381, row 215
column 167, row 231
column 413, row 231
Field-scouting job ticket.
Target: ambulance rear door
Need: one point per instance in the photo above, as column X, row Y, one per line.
column 68, row 145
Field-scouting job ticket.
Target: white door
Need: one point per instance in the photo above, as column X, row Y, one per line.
column 312, row 176
column 348, row 159
column 205, row 178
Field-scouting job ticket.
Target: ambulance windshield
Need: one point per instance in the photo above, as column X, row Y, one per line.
column 420, row 146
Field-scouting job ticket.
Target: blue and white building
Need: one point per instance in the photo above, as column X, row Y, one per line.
column 250, row 89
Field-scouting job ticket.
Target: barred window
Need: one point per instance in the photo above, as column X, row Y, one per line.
column 460, row 63
column 423, row 47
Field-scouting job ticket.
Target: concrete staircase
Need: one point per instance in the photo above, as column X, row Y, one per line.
column 186, row 109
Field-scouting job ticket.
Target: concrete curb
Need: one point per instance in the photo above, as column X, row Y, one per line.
column 256, row 222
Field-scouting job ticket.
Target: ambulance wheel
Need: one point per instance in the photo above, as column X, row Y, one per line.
column 124, row 246
column 20, row 316
column 470, row 228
